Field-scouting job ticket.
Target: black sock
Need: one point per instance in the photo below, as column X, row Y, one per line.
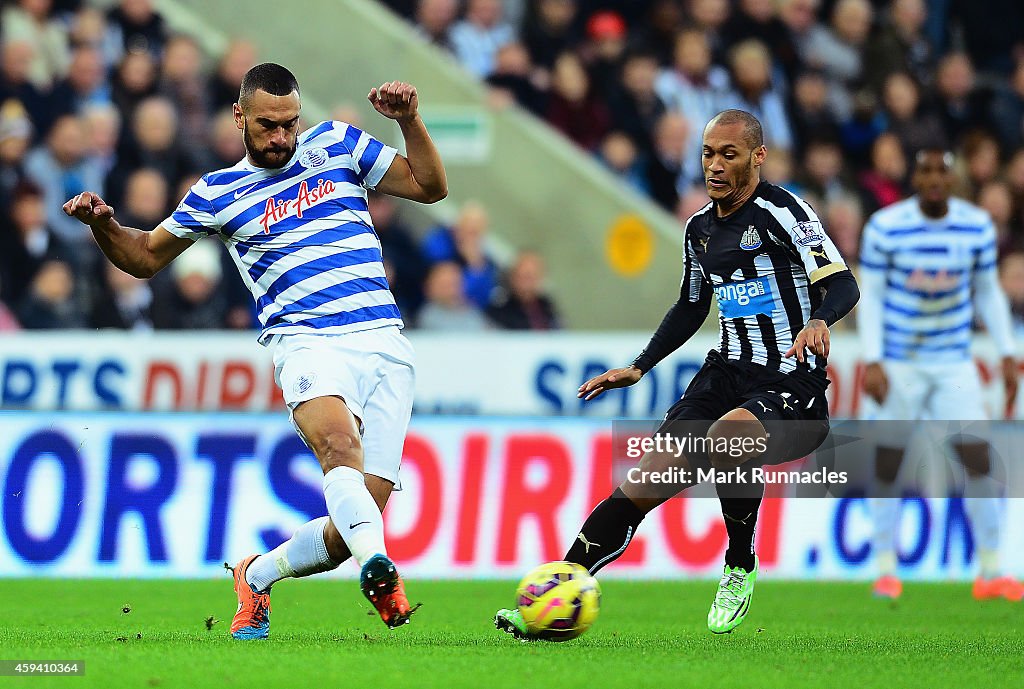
column 739, row 508
column 606, row 533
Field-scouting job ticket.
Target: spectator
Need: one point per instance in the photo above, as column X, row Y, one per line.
column 135, row 25
column 134, row 81
column 991, row 31
column 549, row 30
column 572, row 107
column 960, row 104
column 619, row 156
column 1011, row 276
column 434, row 20
column 88, row 28
column 694, row 88
column 153, row 143
column 915, row 126
column 27, row 242
column 800, row 19
column 664, row 167
column 883, row 183
column 238, row 59
column 124, row 302
column 752, row 90
column 513, row 76
column 664, row 20
column 604, row 50
column 522, row 304
column 757, row 20
column 192, row 300
column 408, row 266
column 844, row 221
column 635, row 105
column 103, row 131
column 185, row 84
column 87, row 83
column 446, row 307
column 1008, row 108
column 477, row 38
column 465, row 243
column 838, row 50
column 50, row 302
column 981, row 161
column 812, row 117
column 31, row 21
column 226, row 147
column 823, row 170
column 778, row 169
column 145, row 199
column 1014, row 176
column 900, row 45
column 15, row 134
column 15, row 84
column 63, row 168
column 995, row 197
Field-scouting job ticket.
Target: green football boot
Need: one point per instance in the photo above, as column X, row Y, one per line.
column 732, row 602
column 510, row 621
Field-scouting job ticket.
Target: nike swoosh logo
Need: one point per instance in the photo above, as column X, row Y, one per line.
column 552, row 604
column 242, row 192
column 352, row 526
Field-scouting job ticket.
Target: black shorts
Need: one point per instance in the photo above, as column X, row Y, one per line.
column 792, row 406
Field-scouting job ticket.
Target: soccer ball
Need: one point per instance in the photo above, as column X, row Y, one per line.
column 559, row 600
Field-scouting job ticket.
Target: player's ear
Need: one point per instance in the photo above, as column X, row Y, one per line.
column 236, row 110
column 759, row 154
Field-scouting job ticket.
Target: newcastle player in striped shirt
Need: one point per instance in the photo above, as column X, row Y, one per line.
column 293, row 216
column 779, row 283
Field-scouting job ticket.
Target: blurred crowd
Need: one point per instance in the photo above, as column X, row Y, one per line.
column 114, row 101
column 847, row 90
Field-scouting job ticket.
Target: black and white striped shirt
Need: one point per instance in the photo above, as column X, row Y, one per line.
column 761, row 264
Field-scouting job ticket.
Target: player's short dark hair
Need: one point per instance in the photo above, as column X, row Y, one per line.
column 753, row 135
column 270, row 77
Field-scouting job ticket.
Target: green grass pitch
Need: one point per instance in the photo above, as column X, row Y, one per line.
column 649, row 634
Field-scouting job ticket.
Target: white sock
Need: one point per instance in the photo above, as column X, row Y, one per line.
column 354, row 513
column 982, row 504
column 885, row 511
column 303, row 554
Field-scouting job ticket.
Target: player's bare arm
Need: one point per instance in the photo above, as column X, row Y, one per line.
column 138, row 253
column 419, row 175
column 876, row 383
column 609, row 380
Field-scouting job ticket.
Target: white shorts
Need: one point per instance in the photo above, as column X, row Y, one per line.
column 372, row 370
column 937, row 391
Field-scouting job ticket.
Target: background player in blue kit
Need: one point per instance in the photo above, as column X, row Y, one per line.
column 928, row 265
column 294, row 218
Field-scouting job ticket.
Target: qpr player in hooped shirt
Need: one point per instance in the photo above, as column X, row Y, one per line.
column 294, row 218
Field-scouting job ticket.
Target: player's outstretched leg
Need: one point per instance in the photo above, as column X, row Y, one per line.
column 885, row 512
column 252, row 620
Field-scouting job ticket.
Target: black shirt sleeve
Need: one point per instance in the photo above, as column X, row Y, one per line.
column 683, row 319
column 841, row 295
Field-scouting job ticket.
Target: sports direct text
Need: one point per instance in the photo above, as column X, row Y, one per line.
column 677, row 446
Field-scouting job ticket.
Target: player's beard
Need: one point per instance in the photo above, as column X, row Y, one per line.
column 263, row 158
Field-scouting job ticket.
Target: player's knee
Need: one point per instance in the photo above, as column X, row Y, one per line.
column 733, row 441
column 339, row 448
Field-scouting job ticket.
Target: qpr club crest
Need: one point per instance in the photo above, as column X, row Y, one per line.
column 751, row 239
column 304, row 382
column 313, row 157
